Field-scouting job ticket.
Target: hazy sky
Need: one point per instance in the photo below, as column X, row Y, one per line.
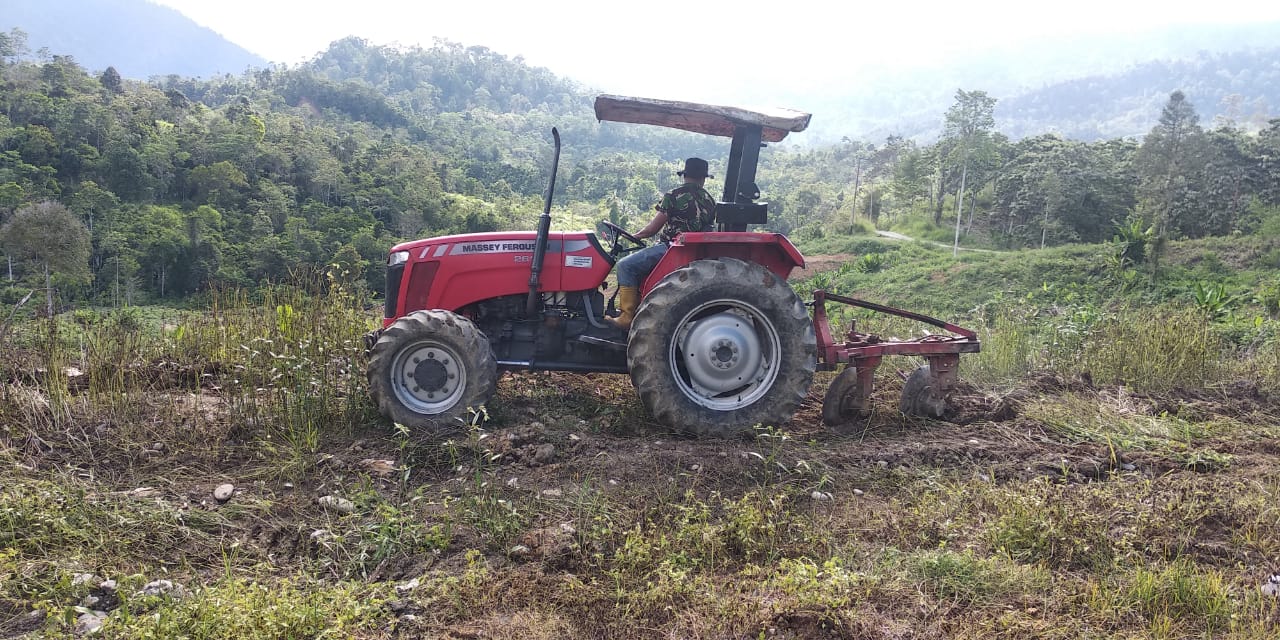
column 708, row 49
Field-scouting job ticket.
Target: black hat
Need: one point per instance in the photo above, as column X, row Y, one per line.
column 695, row 168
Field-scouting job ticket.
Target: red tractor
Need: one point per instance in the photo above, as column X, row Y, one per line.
column 720, row 343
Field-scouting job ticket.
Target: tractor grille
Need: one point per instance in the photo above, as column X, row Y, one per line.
column 395, row 273
column 420, row 279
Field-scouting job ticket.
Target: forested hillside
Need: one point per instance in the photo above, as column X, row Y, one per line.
column 184, row 184
column 1240, row 88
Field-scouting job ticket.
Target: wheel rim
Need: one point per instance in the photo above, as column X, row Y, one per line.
column 428, row 377
column 725, row 354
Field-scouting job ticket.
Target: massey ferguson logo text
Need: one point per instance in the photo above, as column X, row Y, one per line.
column 496, row 247
column 466, row 248
column 510, row 246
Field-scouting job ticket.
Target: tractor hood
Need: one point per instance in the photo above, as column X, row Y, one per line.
column 700, row 118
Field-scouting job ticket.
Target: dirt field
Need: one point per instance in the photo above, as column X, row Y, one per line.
column 569, row 514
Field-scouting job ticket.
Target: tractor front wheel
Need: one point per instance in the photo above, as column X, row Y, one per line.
column 722, row 346
column 428, row 368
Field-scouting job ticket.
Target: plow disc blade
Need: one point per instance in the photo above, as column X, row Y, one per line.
column 922, row 395
column 844, row 401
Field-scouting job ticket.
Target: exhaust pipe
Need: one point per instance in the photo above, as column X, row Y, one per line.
column 544, row 228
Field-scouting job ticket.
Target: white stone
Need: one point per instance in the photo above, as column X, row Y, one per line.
column 90, row 623
column 334, row 503
column 223, row 492
column 163, row 588
column 379, row 466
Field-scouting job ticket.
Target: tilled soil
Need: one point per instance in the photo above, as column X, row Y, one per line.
column 558, row 444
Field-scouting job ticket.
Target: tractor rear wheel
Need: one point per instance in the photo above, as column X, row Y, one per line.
column 721, row 346
column 428, row 368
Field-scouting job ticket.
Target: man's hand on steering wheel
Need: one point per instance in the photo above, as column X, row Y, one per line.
column 615, row 234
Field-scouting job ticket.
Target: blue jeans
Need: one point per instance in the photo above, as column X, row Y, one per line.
column 633, row 269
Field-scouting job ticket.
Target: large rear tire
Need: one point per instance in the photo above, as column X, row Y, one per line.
column 428, row 368
column 721, row 346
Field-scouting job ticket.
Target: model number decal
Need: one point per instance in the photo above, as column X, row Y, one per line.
column 581, row 262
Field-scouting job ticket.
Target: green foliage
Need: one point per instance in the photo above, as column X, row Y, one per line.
column 1269, row 297
column 1176, row 591
column 869, row 263
column 1009, row 348
column 1131, row 241
column 1037, row 528
column 48, row 235
column 968, row 579
column 1214, row 299
column 1152, row 349
column 244, row 608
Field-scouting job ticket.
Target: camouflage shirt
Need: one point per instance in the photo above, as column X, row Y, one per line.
column 689, row 207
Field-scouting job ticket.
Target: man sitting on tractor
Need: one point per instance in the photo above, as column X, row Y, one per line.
column 688, row 207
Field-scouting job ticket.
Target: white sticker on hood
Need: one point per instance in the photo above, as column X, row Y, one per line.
column 581, row 262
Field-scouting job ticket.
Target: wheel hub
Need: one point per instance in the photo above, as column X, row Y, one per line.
column 429, row 378
column 431, row 375
column 722, row 352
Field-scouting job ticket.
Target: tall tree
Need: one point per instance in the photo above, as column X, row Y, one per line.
column 110, row 80
column 969, row 123
column 13, row 45
column 1170, row 164
column 49, row 234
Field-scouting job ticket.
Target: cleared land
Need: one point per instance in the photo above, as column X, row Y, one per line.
column 1056, row 508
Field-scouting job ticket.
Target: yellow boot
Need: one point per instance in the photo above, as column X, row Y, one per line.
column 628, row 300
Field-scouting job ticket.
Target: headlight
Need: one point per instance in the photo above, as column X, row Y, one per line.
column 398, row 257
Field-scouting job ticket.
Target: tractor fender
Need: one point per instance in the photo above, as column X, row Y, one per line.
column 772, row 251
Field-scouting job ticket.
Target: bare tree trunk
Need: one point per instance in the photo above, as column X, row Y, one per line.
column 1044, row 228
column 48, row 289
column 973, row 204
column 964, row 173
column 938, row 197
column 857, row 181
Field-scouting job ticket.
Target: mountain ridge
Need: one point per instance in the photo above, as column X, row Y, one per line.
column 142, row 39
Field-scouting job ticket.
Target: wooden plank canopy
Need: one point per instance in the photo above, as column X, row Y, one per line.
column 700, row 118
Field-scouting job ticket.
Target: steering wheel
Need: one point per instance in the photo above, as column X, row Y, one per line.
column 613, row 234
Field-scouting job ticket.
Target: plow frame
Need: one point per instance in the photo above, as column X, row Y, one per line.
column 861, row 353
